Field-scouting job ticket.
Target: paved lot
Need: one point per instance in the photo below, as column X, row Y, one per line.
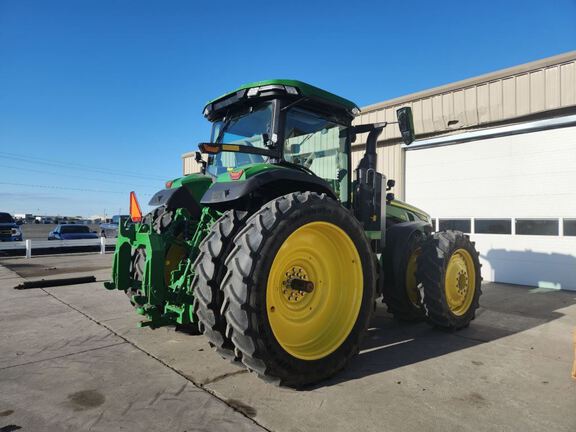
column 71, row 358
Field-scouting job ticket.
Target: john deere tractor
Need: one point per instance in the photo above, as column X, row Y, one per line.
column 277, row 250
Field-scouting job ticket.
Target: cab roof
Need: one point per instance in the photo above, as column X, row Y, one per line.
column 286, row 85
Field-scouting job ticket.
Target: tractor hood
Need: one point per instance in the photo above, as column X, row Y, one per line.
column 419, row 212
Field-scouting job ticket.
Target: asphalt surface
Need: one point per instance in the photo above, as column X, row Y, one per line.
column 72, row 358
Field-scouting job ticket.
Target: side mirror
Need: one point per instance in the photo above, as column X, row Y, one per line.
column 202, row 162
column 266, row 140
column 406, row 124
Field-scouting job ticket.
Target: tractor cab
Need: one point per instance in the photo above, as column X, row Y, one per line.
column 285, row 123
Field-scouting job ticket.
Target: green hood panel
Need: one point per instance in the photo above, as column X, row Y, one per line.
column 402, row 204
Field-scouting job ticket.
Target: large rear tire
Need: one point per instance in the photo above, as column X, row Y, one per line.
column 209, row 272
column 449, row 270
column 299, row 290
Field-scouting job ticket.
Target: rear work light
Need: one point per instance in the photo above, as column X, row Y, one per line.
column 135, row 212
column 235, row 175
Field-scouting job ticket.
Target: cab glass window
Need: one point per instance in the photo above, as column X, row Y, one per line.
column 250, row 127
column 318, row 144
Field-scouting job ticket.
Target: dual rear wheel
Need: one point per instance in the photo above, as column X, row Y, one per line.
column 297, row 291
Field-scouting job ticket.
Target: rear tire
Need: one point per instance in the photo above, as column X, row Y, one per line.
column 449, row 270
column 209, row 271
column 136, row 272
column 159, row 219
column 309, row 237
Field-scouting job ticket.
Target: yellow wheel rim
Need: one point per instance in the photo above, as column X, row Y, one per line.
column 311, row 325
column 460, row 282
column 410, row 278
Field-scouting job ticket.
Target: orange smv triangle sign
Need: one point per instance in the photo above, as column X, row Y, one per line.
column 135, row 212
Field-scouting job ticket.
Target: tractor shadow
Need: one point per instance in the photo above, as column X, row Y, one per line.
column 545, row 270
column 505, row 310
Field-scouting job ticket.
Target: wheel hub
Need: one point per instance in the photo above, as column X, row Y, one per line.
column 462, row 282
column 296, row 284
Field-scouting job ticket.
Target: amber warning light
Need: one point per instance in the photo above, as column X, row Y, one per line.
column 135, row 212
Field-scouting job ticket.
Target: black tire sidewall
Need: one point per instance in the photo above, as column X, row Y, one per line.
column 411, row 312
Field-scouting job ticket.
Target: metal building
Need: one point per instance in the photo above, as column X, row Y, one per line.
column 495, row 157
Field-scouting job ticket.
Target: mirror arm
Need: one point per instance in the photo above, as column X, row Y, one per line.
column 202, row 162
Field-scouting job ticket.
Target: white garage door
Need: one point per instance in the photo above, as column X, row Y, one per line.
column 516, row 195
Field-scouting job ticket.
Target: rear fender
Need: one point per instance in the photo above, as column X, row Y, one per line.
column 176, row 198
column 263, row 187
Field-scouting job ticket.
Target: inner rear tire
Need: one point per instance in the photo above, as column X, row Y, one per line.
column 209, row 272
column 317, row 240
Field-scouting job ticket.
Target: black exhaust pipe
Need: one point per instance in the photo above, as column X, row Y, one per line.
column 369, row 195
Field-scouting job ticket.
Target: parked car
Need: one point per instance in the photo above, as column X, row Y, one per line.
column 71, row 232
column 110, row 230
column 9, row 230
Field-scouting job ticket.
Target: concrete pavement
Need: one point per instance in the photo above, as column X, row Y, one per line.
column 72, row 358
column 62, row 371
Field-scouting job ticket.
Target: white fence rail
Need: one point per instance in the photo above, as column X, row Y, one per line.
column 30, row 245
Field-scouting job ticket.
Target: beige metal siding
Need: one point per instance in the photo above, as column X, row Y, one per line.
column 498, row 97
column 503, row 96
column 568, row 84
column 189, row 163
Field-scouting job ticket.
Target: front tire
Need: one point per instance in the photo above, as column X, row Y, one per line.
column 299, row 290
column 403, row 296
column 449, row 270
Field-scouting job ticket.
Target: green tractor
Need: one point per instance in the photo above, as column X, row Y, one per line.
column 278, row 249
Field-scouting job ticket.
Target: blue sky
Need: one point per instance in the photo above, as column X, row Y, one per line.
column 100, row 97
